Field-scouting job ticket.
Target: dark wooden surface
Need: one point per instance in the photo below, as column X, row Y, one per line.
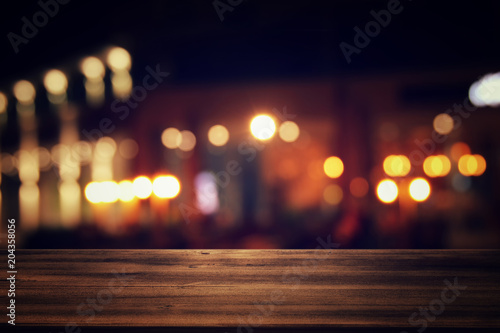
column 339, row 289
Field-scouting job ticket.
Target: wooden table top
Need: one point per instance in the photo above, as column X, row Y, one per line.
column 256, row 289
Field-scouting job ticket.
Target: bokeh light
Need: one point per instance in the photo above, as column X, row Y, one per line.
column 105, row 147
column 110, row 191
column 218, row 135
column 25, row 92
column 128, row 149
column 166, row 187
column 171, row 137
column 263, row 127
column 55, row 82
column 126, row 191
column 396, row 165
column 443, row 123
column 458, row 149
column 93, row 68
column 289, row 131
column 419, row 189
column 333, row 194
column 333, row 167
column 186, row 141
column 119, row 59
column 142, row 187
column 472, row 165
column 93, row 192
column 359, row 187
column 486, row 91
column 3, row 103
column 437, row 166
column 387, row 191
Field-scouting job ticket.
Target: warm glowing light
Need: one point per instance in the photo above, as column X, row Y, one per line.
column 93, row 192
column 359, row 187
column 207, row 196
column 471, row 165
column 119, row 59
column 126, row 191
column 419, row 189
column 166, row 187
column 387, row 191
column 437, row 166
column 110, row 191
column 121, row 84
column 443, row 123
column 458, row 150
column 3, row 103
column 218, row 135
column 105, row 147
column 55, row 82
column 333, row 194
column 263, row 127
column 333, row 167
column 289, row 131
column 396, row 165
column 128, row 149
column 171, row 137
column 93, row 68
column 69, row 196
column 486, row 91
column 186, row 141
column 142, row 187
column 25, row 92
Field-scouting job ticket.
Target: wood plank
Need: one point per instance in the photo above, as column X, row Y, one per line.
column 256, row 288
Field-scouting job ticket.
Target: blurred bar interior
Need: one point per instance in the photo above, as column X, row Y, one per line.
column 161, row 126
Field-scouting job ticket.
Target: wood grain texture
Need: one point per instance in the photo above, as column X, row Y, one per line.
column 260, row 288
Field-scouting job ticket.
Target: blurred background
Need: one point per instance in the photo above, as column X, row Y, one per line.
column 250, row 124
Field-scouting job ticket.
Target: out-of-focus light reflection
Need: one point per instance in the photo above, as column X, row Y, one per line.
column 126, row 191
column 121, row 84
column 93, row 68
column 142, row 187
column 218, row 135
column 207, row 197
column 458, row 150
column 396, row 165
column 118, row 59
column 43, row 156
column 25, row 92
column 105, row 147
column 8, row 164
column 359, row 187
column 289, row 131
column 437, row 166
column 387, row 191
column 69, row 191
column 186, row 141
column 29, row 202
column 3, row 103
column 443, row 123
column 28, row 167
column 333, row 167
column 333, row 194
column 471, row 165
column 262, row 127
column 166, row 187
column 82, row 151
column 486, row 91
column 110, row 191
column 171, row 137
column 419, row 189
column 55, row 82
column 128, row 149
column 93, row 192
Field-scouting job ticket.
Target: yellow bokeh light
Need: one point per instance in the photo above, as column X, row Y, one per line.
column 171, row 137
column 458, row 150
column 289, row 131
column 443, row 123
column 93, row 192
column 25, row 92
column 119, row 59
column 419, row 189
column 110, row 191
column 263, row 127
column 55, row 82
column 333, row 167
column 93, row 68
column 3, row 103
column 126, row 191
column 128, row 149
column 387, row 191
column 471, row 165
column 481, row 165
column 359, row 187
column 218, row 135
column 396, row 165
column 437, row 166
column 166, row 187
column 186, row 141
column 333, row 194
column 105, row 147
column 142, row 187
